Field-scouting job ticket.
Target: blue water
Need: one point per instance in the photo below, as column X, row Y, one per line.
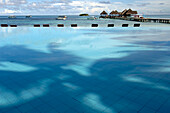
column 84, row 70
column 157, row 16
column 51, row 19
column 73, row 19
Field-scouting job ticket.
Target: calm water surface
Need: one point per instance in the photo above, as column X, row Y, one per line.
column 99, row 70
column 74, row 19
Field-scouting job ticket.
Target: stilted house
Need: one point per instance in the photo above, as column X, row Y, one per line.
column 129, row 13
column 103, row 14
column 114, row 14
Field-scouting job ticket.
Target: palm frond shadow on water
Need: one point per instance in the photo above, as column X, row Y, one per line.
column 40, row 82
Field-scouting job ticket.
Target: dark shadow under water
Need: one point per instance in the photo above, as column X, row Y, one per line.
column 129, row 84
column 33, row 81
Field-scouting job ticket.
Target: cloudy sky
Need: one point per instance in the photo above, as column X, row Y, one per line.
column 74, row 7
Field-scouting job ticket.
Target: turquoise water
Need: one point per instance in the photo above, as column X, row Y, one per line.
column 73, row 19
column 157, row 16
column 84, row 70
column 81, row 21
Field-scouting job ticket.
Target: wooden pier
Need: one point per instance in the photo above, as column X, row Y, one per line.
column 153, row 20
column 167, row 21
column 131, row 15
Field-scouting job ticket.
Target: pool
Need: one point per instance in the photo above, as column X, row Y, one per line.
column 84, row 70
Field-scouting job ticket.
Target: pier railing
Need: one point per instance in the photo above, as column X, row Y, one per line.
column 155, row 20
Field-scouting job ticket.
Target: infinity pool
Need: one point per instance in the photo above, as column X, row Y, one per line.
column 84, row 70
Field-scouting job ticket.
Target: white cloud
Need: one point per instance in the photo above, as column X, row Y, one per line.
column 7, row 11
column 79, row 6
column 34, row 4
column 55, row 4
column 1, row 1
column 6, row 1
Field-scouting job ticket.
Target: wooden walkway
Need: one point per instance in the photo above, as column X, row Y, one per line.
column 155, row 20
column 167, row 21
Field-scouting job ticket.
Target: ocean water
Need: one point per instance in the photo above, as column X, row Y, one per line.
column 73, row 19
column 158, row 16
column 85, row 70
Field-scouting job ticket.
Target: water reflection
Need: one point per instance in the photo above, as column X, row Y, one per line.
column 80, row 70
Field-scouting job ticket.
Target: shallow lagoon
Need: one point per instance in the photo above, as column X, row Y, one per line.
column 81, row 21
column 90, row 70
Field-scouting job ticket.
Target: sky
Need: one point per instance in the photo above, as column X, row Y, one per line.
column 75, row 7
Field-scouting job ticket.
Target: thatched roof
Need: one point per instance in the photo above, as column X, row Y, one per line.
column 114, row 12
column 124, row 11
column 128, row 12
column 131, row 12
column 103, row 13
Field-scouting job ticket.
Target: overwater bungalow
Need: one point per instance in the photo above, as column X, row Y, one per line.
column 129, row 13
column 123, row 12
column 114, row 14
column 103, row 14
